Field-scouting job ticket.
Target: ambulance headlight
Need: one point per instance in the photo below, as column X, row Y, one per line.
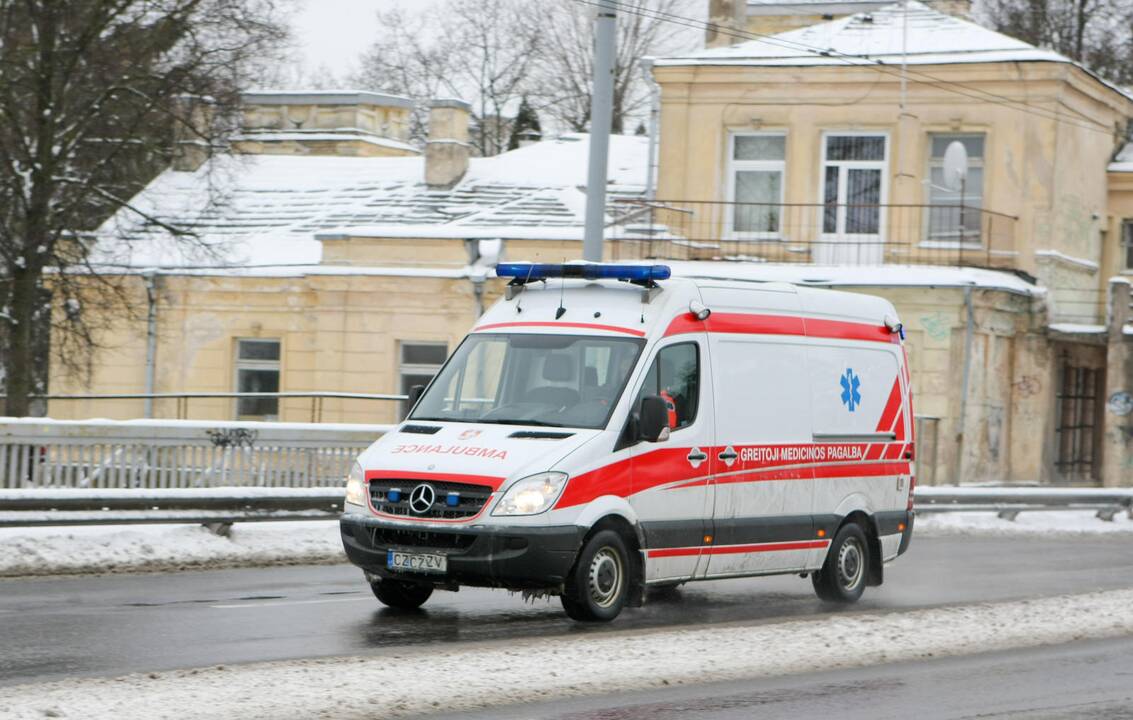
column 532, row 495
column 356, row 486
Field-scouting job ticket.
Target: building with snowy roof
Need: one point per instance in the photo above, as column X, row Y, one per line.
column 330, row 255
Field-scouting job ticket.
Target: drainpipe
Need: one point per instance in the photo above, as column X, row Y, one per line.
column 654, row 114
column 478, row 294
column 969, row 332
column 151, row 338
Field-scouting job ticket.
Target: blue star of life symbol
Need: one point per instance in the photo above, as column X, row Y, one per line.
column 851, row 398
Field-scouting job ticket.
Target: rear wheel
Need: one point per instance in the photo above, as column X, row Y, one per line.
column 598, row 586
column 842, row 578
column 401, row 595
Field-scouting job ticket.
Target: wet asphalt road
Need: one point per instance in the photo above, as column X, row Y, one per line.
column 1079, row 681
column 52, row 629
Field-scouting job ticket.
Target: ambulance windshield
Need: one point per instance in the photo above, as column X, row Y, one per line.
column 522, row 379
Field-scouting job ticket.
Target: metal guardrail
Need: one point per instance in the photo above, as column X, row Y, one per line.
column 1008, row 502
column 218, row 508
column 182, row 398
column 154, row 454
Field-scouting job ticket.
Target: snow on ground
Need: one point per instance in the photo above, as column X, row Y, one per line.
column 133, row 548
column 1041, row 522
column 459, row 677
column 149, row 548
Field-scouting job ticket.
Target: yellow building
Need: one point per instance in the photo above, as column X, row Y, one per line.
column 813, row 160
column 320, row 266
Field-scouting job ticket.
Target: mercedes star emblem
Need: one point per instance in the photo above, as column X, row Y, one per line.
column 422, row 498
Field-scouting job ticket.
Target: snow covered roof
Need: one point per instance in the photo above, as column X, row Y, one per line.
column 836, row 7
column 324, row 97
column 1123, row 161
column 859, row 276
column 271, row 209
column 933, row 38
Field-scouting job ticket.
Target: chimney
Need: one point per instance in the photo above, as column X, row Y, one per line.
column 191, row 132
column 447, row 149
column 726, row 15
column 956, row 8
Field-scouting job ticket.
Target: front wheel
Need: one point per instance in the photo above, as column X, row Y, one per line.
column 842, row 578
column 597, row 588
column 401, row 595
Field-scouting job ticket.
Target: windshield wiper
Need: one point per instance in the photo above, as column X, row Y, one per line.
column 536, row 423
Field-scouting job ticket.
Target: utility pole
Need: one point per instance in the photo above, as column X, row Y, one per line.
column 601, row 115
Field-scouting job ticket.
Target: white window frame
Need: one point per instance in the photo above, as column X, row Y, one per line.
column 961, row 244
column 735, row 166
column 883, row 165
column 242, row 364
column 404, row 368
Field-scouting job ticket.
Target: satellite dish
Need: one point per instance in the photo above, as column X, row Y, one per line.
column 955, row 166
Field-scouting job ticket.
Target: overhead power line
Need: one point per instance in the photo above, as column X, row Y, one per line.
column 863, row 61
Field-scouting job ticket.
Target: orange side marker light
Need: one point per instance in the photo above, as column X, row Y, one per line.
column 901, row 527
column 821, row 533
column 707, row 539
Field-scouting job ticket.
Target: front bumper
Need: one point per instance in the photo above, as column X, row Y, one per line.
column 520, row 558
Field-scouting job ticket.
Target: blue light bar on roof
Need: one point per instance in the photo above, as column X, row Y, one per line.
column 530, row 272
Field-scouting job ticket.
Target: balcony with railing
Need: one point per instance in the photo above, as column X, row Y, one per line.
column 814, row 233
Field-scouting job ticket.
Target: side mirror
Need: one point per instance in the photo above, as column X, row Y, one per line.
column 415, row 394
column 653, row 423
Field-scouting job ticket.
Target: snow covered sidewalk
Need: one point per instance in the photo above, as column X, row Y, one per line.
column 459, row 677
column 1040, row 522
column 135, row 548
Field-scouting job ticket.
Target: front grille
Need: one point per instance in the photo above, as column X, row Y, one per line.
column 389, row 537
column 453, row 501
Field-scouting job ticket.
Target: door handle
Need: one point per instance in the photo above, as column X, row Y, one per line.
column 696, row 456
column 728, row 455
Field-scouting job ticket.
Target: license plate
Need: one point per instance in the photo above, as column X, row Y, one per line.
column 416, row 562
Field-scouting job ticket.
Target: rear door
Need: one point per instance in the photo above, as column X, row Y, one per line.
column 763, row 498
column 861, row 424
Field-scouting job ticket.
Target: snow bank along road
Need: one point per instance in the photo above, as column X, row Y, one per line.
column 106, row 626
column 1084, row 680
column 148, row 548
column 459, row 676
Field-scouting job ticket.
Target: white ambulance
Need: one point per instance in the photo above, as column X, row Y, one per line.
column 605, row 429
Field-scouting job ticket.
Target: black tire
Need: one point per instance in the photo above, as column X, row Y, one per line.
column 401, row 595
column 598, row 586
column 843, row 576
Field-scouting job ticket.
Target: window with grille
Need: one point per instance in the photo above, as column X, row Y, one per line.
column 257, row 371
column 1078, row 420
column 954, row 216
column 756, row 169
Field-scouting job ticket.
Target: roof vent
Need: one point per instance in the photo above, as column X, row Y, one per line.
column 867, row 18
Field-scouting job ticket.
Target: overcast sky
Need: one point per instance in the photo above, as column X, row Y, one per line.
column 333, row 33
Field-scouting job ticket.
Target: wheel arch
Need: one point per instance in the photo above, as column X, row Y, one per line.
column 611, row 513
column 868, row 523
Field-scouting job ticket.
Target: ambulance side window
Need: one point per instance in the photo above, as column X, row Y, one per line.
column 675, row 377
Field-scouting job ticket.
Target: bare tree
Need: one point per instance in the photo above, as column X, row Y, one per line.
column 566, row 60
column 97, row 96
column 1097, row 33
column 481, row 51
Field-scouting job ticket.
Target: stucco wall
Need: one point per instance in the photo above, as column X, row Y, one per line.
column 1047, row 173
